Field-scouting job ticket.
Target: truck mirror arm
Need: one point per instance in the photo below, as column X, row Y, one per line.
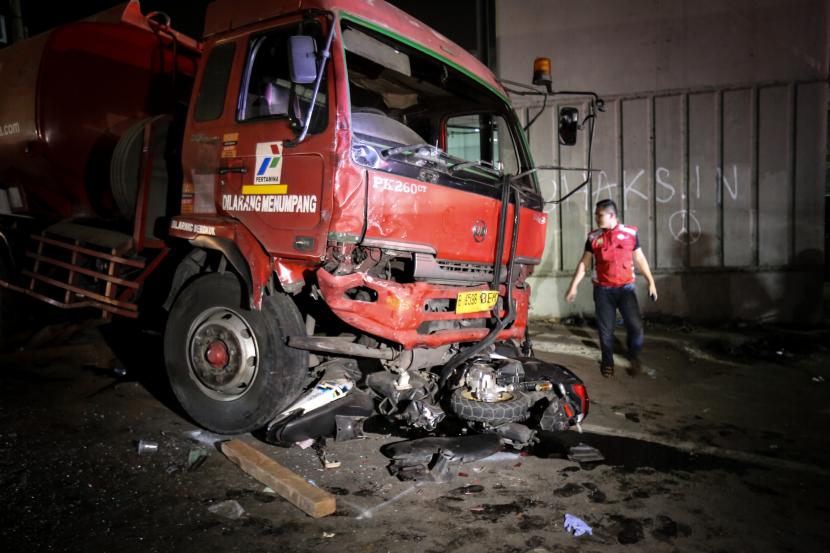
column 325, row 54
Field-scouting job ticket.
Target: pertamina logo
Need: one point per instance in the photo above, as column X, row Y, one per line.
column 268, row 194
column 269, row 170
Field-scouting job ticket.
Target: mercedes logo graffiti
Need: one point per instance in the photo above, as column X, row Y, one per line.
column 479, row 230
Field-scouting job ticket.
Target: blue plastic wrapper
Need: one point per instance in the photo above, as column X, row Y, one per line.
column 577, row 526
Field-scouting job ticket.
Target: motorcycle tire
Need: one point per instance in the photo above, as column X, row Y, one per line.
column 495, row 414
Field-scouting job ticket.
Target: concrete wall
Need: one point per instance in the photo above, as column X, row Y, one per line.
column 712, row 143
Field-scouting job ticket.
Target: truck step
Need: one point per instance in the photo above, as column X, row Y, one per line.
column 93, row 236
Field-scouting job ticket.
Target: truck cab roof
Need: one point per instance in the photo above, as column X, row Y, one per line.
column 224, row 16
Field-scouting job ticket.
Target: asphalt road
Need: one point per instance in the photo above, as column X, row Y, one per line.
column 722, row 448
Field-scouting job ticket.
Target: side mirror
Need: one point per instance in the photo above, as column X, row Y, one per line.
column 302, row 53
column 568, row 125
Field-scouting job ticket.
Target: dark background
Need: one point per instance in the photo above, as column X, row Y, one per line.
column 469, row 23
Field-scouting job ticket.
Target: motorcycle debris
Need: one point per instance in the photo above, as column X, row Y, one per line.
column 467, row 490
column 229, row 509
column 438, row 459
column 195, row 458
column 583, row 453
column 204, row 437
column 145, row 446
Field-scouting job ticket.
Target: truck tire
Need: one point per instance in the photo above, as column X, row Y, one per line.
column 496, row 413
column 229, row 365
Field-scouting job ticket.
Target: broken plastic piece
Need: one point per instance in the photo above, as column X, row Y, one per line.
column 583, row 453
column 195, row 458
column 204, row 437
column 422, row 414
column 348, row 427
column 144, row 447
column 577, row 526
column 229, row 509
column 438, row 459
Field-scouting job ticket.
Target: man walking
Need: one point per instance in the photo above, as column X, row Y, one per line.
column 616, row 250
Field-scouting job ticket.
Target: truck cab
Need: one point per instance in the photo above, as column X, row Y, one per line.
column 389, row 203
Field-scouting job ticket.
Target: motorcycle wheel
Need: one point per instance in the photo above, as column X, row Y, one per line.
column 496, row 413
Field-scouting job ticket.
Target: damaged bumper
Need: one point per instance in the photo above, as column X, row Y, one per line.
column 401, row 312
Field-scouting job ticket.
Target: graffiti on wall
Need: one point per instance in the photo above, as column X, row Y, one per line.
column 683, row 225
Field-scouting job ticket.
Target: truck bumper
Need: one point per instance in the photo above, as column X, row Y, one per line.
column 400, row 311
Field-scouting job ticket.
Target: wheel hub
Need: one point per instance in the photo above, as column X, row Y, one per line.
column 222, row 354
column 217, row 354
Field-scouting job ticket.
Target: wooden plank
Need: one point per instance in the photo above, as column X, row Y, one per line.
column 288, row 484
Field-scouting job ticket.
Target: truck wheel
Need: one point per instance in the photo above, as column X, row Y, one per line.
column 515, row 408
column 228, row 365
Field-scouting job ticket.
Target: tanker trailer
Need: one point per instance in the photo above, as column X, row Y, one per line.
column 90, row 135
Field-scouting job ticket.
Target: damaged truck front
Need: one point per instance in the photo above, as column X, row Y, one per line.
column 359, row 214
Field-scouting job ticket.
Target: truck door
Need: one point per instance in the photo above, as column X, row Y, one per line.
column 275, row 188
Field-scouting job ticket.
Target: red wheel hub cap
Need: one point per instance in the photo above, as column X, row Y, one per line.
column 217, row 354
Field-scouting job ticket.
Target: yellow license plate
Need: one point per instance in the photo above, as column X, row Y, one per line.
column 473, row 302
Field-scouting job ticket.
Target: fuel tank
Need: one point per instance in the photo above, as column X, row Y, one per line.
column 68, row 95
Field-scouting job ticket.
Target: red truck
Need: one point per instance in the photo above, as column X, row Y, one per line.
column 340, row 200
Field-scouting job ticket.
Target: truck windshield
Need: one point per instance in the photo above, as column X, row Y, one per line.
column 416, row 116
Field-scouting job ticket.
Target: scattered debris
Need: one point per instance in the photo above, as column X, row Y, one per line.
column 120, row 372
column 326, row 459
column 438, row 459
column 305, row 444
column 195, row 458
column 145, row 446
column 291, row 486
column 467, row 490
column 583, row 453
column 328, row 534
column 819, row 379
column 204, row 437
column 229, row 509
column 577, row 526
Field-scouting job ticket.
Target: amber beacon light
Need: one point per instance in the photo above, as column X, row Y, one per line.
column 541, row 71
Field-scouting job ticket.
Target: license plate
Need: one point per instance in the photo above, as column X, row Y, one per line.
column 473, row 302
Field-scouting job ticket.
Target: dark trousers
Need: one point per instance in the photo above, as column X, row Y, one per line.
column 607, row 300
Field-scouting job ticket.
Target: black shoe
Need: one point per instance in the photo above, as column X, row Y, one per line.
column 607, row 370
